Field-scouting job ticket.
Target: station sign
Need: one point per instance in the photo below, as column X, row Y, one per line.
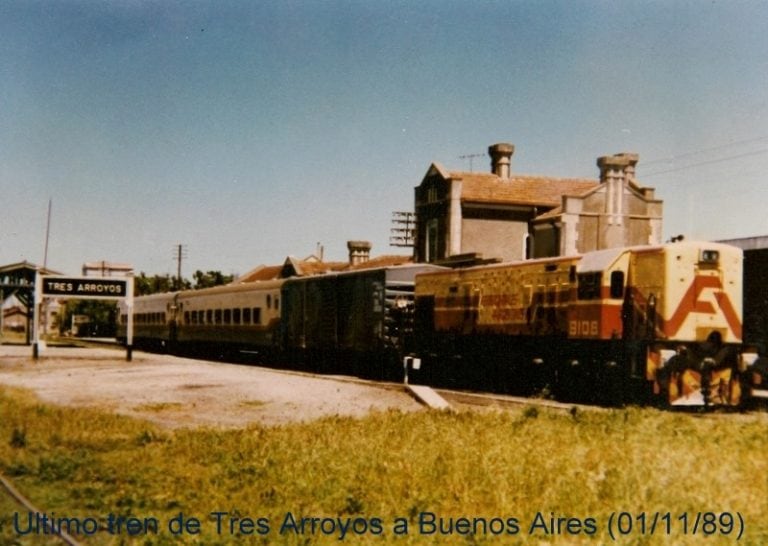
column 84, row 287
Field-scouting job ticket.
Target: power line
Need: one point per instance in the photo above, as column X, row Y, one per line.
column 708, row 162
column 704, row 150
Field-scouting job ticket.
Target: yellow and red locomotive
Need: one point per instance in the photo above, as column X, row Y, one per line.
column 610, row 326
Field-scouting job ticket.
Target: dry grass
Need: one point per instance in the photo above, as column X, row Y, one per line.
column 159, row 406
column 80, row 462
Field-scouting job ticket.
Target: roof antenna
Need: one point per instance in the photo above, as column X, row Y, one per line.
column 470, row 157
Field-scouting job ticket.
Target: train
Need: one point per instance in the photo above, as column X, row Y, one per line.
column 655, row 324
column 355, row 322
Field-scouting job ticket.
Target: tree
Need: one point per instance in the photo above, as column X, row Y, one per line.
column 211, row 278
column 102, row 317
column 144, row 285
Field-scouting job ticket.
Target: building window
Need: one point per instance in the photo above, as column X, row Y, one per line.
column 431, row 242
column 527, row 246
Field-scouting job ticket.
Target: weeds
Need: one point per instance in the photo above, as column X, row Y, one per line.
column 81, row 462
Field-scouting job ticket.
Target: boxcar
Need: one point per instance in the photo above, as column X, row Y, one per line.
column 353, row 322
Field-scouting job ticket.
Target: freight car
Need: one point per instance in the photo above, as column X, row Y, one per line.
column 756, row 305
column 357, row 322
column 659, row 322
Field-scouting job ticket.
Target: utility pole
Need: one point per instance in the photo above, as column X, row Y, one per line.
column 43, row 304
column 47, row 234
column 180, row 252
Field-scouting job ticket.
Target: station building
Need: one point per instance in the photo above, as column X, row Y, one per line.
column 468, row 217
column 17, row 283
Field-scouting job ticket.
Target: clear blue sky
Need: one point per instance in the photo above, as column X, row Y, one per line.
column 249, row 131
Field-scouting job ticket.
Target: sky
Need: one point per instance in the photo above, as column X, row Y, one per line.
column 249, row 131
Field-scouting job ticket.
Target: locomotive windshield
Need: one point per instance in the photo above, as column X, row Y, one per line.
column 709, row 256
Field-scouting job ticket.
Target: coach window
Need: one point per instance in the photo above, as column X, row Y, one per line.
column 209, row 316
column 227, row 316
column 236, row 315
column 617, row 284
column 217, row 316
column 277, row 303
column 269, row 301
column 247, row 315
column 186, row 317
column 257, row 315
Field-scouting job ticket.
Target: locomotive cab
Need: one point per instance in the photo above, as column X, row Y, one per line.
column 694, row 353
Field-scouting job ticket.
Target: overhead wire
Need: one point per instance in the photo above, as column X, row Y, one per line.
column 704, row 150
column 707, row 162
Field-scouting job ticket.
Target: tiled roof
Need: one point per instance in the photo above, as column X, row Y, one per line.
column 318, row 268
column 305, row 268
column 261, row 273
column 521, row 189
column 382, row 261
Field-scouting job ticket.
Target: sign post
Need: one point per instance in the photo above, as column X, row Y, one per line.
column 35, row 316
column 83, row 288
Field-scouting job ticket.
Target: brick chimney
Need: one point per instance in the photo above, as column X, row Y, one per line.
column 501, row 158
column 632, row 159
column 613, row 173
column 359, row 252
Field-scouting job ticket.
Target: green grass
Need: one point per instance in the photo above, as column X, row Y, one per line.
column 81, row 462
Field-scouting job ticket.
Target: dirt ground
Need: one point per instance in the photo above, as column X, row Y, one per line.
column 178, row 392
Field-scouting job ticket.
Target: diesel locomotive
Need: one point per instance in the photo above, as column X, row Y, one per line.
column 656, row 323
